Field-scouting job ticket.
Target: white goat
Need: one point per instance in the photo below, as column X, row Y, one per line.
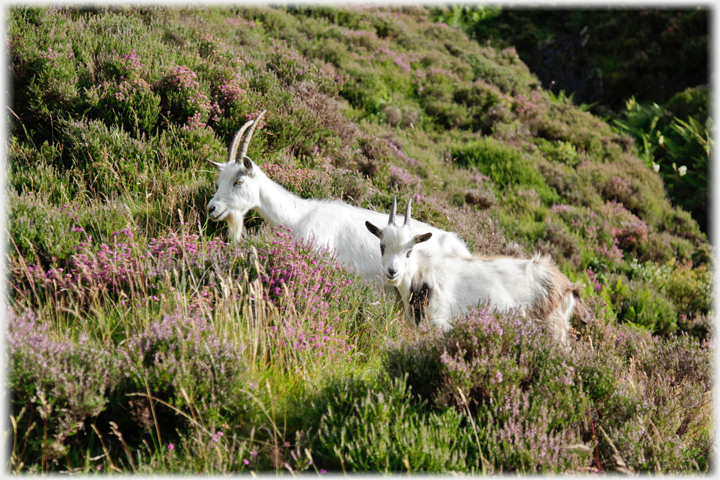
column 242, row 186
column 441, row 286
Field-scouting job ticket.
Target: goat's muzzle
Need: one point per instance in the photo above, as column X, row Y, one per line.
column 215, row 214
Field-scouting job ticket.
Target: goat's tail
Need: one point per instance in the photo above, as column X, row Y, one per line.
column 582, row 311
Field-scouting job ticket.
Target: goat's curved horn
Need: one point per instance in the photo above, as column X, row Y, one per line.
column 407, row 213
column 248, row 137
column 236, row 142
column 393, row 208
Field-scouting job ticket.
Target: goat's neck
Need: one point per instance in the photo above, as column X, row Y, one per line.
column 405, row 287
column 277, row 206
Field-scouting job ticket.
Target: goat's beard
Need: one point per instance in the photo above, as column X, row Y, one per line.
column 394, row 282
column 236, row 230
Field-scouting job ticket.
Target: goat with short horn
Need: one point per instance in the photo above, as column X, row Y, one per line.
column 439, row 287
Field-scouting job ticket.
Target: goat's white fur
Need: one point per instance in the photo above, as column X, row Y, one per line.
column 242, row 186
column 441, row 286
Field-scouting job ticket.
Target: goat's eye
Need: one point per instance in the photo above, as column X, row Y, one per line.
column 408, row 254
column 382, row 249
column 239, row 182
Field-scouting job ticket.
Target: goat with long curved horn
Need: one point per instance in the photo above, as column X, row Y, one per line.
column 246, row 142
column 333, row 225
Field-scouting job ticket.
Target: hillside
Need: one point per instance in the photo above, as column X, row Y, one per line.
column 206, row 368
column 644, row 70
column 607, row 55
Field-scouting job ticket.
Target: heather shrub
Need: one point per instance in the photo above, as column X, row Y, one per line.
column 448, row 115
column 378, row 428
column 229, row 91
column 127, row 100
column 504, row 164
column 302, row 285
column 56, row 385
column 483, row 199
column 563, row 152
column 690, row 289
column 366, row 89
column 106, row 156
column 64, row 225
column 75, row 383
column 393, row 115
column 492, row 365
column 349, row 186
column 311, row 291
column 527, row 396
column 651, row 376
column 691, row 102
column 184, row 99
column 373, row 155
column 293, row 179
column 327, row 110
column 183, row 361
column 574, row 189
column 641, row 305
column 401, row 179
column 113, row 270
column 480, row 96
column 46, row 70
column 134, row 106
column 308, row 310
column 110, row 160
column 292, row 68
column 594, row 229
column 337, row 308
column 679, row 223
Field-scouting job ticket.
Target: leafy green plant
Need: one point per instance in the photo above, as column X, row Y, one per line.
column 679, row 150
column 466, row 17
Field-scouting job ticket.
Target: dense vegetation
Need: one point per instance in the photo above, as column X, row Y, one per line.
column 140, row 340
column 603, row 55
column 645, row 70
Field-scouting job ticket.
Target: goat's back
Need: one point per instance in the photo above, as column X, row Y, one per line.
column 535, row 286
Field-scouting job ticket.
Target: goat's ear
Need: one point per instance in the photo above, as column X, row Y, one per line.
column 248, row 164
column 422, row 238
column 373, row 229
column 218, row 166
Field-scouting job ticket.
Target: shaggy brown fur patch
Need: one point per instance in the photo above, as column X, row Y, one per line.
column 420, row 293
column 550, row 307
column 582, row 312
column 556, row 286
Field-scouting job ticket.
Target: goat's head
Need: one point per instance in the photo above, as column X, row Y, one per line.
column 237, row 188
column 396, row 244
